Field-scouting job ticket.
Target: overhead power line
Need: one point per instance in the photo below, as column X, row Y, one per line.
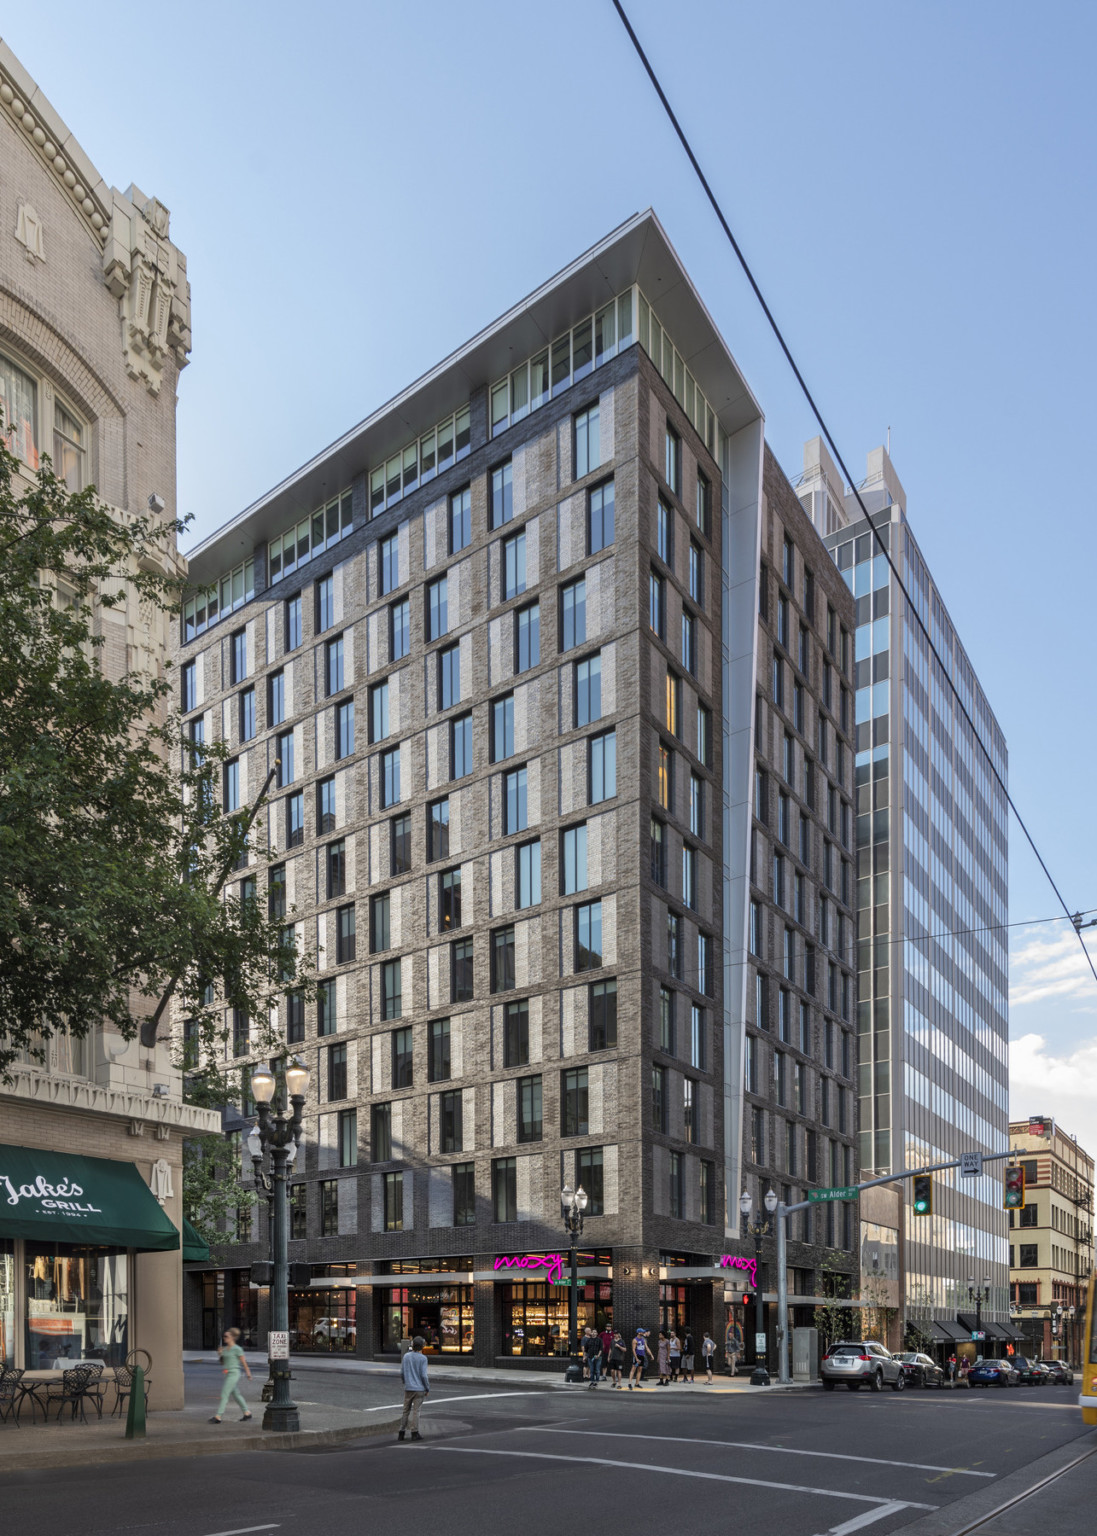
column 833, row 446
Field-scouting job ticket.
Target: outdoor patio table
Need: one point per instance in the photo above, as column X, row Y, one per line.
column 33, row 1384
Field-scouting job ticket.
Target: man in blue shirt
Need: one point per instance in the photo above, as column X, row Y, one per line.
column 416, row 1379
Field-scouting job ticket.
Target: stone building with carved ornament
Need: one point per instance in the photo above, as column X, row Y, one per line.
column 94, row 332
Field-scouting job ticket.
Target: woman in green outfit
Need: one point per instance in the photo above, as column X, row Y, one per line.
column 232, row 1363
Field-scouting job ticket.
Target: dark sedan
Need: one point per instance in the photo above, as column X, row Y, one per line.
column 921, row 1371
column 1030, row 1373
column 993, row 1373
column 1059, row 1373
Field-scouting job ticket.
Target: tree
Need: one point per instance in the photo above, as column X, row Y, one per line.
column 115, row 847
column 832, row 1320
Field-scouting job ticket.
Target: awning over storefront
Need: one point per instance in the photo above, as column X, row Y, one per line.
column 992, row 1330
column 195, row 1249
column 63, row 1198
column 1011, row 1332
column 943, row 1333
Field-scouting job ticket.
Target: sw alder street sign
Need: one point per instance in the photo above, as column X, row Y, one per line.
column 841, row 1192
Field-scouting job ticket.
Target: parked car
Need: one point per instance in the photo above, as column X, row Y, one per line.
column 1059, row 1373
column 1030, row 1373
column 921, row 1371
column 993, row 1373
column 858, row 1363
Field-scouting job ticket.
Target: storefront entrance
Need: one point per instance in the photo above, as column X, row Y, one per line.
column 535, row 1316
column 323, row 1322
column 442, row 1316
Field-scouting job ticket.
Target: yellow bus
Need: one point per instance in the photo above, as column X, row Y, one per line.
column 1088, row 1395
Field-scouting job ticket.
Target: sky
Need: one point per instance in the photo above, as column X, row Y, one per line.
column 360, row 188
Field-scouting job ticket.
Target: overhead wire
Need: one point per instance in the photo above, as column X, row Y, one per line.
column 825, row 430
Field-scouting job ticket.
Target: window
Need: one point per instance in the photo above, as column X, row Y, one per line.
column 516, row 1034
column 803, row 660
column 231, row 785
column 298, row 1211
column 787, row 565
column 344, row 729
column 247, row 714
column 573, row 614
column 674, row 944
column 515, row 804
column 295, row 819
column 701, row 504
column 380, row 923
column 438, row 830
column 337, row 1071
column 778, row 682
column 798, row 706
column 659, row 1098
column 672, row 462
column 514, row 565
column 527, row 874
column 449, row 676
column 502, row 728
column 588, row 448
column 276, row 698
column 399, row 630
column 329, row 1207
column 573, row 860
column 400, row 833
column 574, row 1103
column 756, row 928
column 325, row 805
column 657, row 837
column 502, row 495
column 502, row 959
column 461, row 971
column 188, row 687
column 689, row 641
column 602, row 1016
column 674, row 703
column 704, row 735
column 68, row 442
column 696, row 805
column 326, row 1020
column 600, row 518
column 336, row 868
column 689, row 875
column 293, row 622
column 238, row 656
column 689, row 1127
column 438, row 609
column 333, row 665
column 348, row 1138
column 789, row 954
column 602, row 770
column 345, row 939
column 394, row 1202
column 588, row 936
column 588, row 690
column 782, row 620
column 379, row 712
column 295, row 1018
column 666, row 1021
column 325, row 604
column 388, row 564
column 464, row 1194
column 504, row 1189
column 707, row 1194
column 450, row 1131
column 527, row 637
column 590, row 1173
column 758, row 1136
column 392, row 992
column 284, row 760
column 530, row 1109
column 390, row 777
column 460, row 520
column 402, row 1064
column 449, row 899
column 241, row 1033
column 1028, row 1255
column 664, row 778
column 696, row 573
column 657, row 605
column 381, row 1133
column 460, row 746
column 1028, row 1216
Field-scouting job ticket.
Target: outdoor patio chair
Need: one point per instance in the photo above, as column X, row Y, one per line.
column 123, row 1387
column 71, row 1389
column 97, row 1386
column 10, row 1393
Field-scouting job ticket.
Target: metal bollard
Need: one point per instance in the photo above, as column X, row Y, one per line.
column 135, row 1413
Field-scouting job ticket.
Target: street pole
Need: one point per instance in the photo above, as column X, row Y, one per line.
column 573, row 1202
column 573, row 1301
column 782, row 1295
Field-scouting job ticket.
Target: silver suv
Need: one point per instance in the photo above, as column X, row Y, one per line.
column 856, row 1362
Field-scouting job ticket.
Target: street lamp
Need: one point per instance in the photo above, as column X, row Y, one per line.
column 978, row 1297
column 757, row 1230
column 573, row 1202
column 273, row 1147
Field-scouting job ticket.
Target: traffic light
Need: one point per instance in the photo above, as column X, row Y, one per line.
column 1013, row 1190
column 921, row 1197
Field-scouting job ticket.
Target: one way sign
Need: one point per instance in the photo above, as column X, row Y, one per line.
column 971, row 1165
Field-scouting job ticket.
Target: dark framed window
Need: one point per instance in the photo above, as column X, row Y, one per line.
column 449, row 676
column 701, row 504
column 464, row 1195
column 325, row 604
column 657, row 840
column 590, row 1175
column 240, row 1032
column 388, row 564
column 392, row 993
column 276, row 698
column 1028, row 1255
column 284, row 765
column 514, row 565
column 438, row 830
column 573, row 860
column 450, row 1129
column 600, row 518
column 326, row 1023
column 403, row 1073
column 515, row 802
column 336, row 868
column 704, row 735
column 298, row 1211
column 276, row 891
column 437, row 608
column 588, row 936
column 667, row 1023
column 588, row 690
column 390, row 777
column 707, row 1193
column 399, row 629
column 400, row 834
column 516, row 1034
column 348, row 1138
column 674, row 944
column 449, row 899
column 461, row 971
column 672, row 461
column 602, row 1016
column 530, row 1109
column 460, row 520
column 337, row 1071
column 527, row 637
column 381, row 1133
column 674, row 1171
column 230, row 781
column 460, row 746
column 292, row 615
column 502, row 959
column 588, row 441
column 573, row 614
column 696, row 573
column 527, row 874
column 247, row 715
column 333, row 665
column 602, row 768
column 394, row 1202
column 574, row 1102
column 657, row 605
column 438, row 1051
column 380, row 923
column 344, row 728
column 502, row 728
column 325, row 805
column 664, row 533
column 378, row 712
column 295, row 1018
column 188, row 687
column 659, row 1098
column 502, row 495
column 238, row 656
column 504, row 1189
column 345, row 946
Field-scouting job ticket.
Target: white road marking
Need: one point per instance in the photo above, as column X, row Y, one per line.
column 715, row 1477
column 869, row 1517
column 243, row 1530
column 475, row 1397
column 748, row 1445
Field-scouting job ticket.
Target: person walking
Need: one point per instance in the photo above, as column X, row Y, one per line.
column 592, row 1355
column 687, row 1357
column 615, row 1360
column 708, row 1349
column 639, row 1360
column 232, row 1363
column 733, row 1343
column 607, row 1344
column 663, row 1359
column 416, row 1378
column 675, row 1351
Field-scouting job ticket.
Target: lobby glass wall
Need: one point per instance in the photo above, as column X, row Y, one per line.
column 442, row 1315
column 324, row 1320
column 535, row 1317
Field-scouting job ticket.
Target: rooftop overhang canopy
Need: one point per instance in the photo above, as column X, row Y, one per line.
column 60, row 1197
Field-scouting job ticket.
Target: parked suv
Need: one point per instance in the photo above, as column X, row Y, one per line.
column 1059, row 1372
column 856, row 1362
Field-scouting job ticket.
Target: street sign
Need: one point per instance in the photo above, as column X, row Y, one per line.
column 840, row 1192
column 977, row 1335
column 971, row 1165
column 278, row 1346
column 759, row 1343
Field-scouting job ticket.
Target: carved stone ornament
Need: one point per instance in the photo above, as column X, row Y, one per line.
column 160, row 1180
column 148, row 277
column 29, row 233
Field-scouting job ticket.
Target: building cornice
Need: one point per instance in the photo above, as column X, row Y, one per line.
column 30, row 1085
column 55, row 145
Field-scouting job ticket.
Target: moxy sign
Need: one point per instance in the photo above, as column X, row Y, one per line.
column 551, row 1263
column 733, row 1261
column 61, row 1196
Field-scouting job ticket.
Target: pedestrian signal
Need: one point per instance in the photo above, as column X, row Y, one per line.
column 1013, row 1191
column 922, row 1194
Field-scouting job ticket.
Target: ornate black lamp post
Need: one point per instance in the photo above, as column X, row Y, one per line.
column 757, row 1230
column 573, row 1202
column 269, row 1144
column 978, row 1296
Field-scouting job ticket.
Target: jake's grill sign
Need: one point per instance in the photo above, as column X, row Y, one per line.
column 62, row 1196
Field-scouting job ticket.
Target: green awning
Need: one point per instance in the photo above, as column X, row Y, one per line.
column 63, row 1198
column 195, row 1249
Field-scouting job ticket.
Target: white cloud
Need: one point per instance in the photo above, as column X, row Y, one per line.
column 1050, row 967
column 1065, row 1086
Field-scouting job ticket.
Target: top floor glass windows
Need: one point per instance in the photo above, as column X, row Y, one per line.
column 225, row 596
column 419, row 461
column 310, row 537
column 589, row 344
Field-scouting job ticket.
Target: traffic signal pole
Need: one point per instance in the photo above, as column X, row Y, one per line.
column 782, row 1214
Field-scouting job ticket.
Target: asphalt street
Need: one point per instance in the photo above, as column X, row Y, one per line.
column 492, row 1459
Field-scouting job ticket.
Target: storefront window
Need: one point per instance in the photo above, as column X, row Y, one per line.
column 77, row 1305
column 7, row 1301
column 674, row 1308
column 535, row 1317
column 324, row 1320
column 441, row 1315
column 19, row 404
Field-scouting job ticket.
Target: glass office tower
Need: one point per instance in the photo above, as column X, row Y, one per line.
column 932, row 895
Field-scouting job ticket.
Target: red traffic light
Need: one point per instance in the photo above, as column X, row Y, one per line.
column 1013, row 1190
